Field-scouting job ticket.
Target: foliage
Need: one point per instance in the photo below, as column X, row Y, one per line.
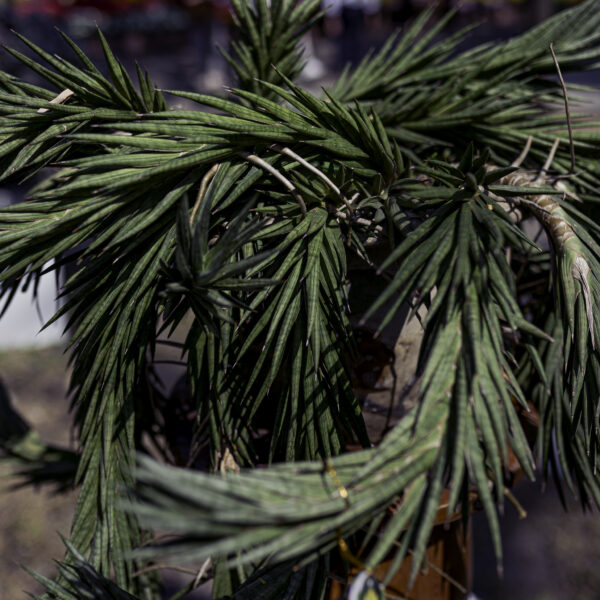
column 247, row 215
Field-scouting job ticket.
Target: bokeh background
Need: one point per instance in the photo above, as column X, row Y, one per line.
column 551, row 555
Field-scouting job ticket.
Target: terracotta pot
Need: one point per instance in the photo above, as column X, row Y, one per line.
column 447, row 569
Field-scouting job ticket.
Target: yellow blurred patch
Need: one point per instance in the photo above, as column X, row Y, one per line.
column 371, row 595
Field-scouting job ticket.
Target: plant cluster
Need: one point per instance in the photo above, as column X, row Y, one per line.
column 242, row 220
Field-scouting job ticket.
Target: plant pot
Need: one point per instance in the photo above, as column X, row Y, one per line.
column 446, row 574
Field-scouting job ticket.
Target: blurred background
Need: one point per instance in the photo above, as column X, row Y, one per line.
column 178, row 40
column 551, row 555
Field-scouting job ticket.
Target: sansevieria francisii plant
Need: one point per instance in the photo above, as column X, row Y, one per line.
column 264, row 234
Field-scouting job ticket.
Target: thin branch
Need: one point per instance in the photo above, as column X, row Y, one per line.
column 461, row 588
column 202, row 572
column 519, row 161
column 548, row 163
column 531, row 284
column 340, row 214
column 439, row 571
column 259, row 162
column 316, row 171
column 343, row 492
column 567, row 111
column 60, row 99
column 533, row 203
column 511, row 498
column 349, row 235
column 202, row 191
column 348, row 556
